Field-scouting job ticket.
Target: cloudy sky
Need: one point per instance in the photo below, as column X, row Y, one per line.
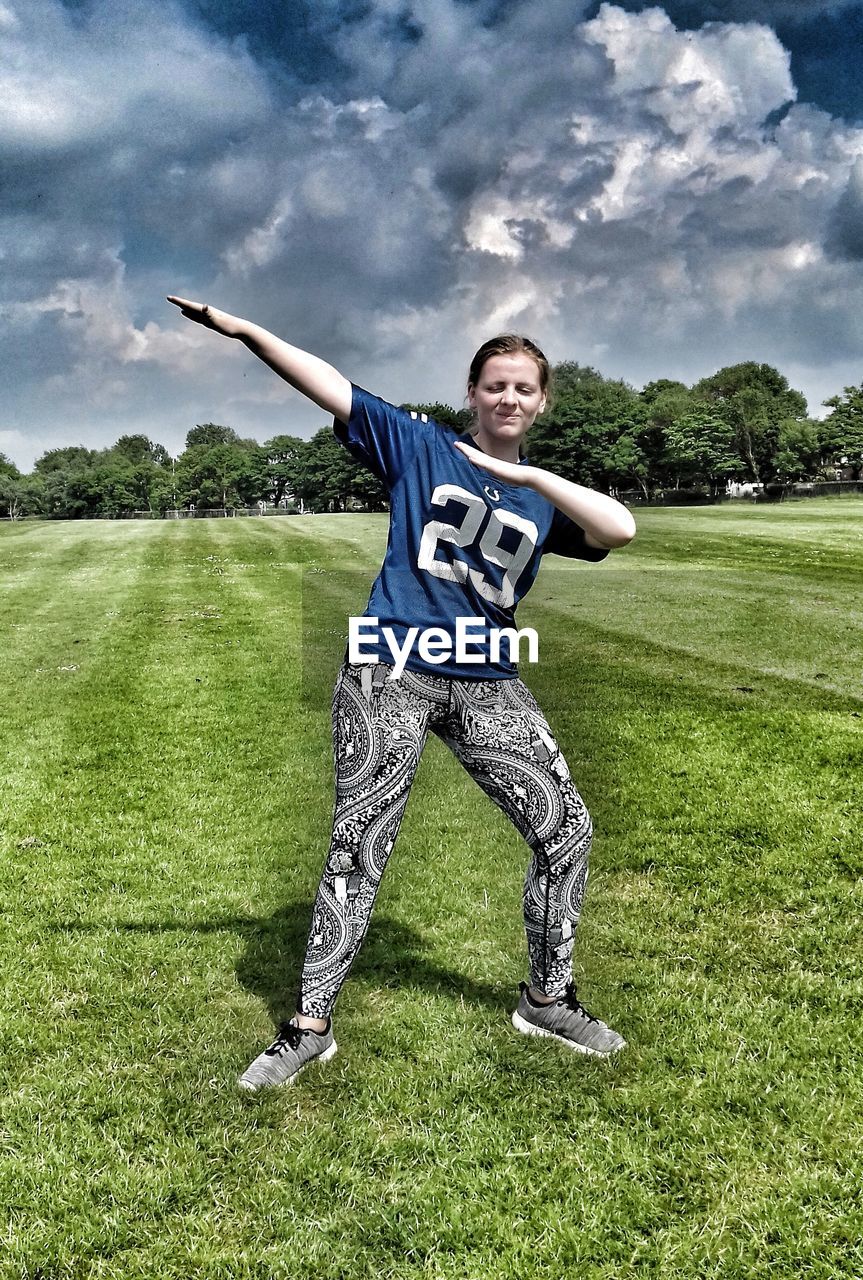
column 656, row 191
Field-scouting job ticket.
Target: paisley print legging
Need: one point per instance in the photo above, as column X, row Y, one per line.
column 501, row 737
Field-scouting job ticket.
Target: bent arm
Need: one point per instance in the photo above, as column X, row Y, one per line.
column 606, row 522
column 306, row 372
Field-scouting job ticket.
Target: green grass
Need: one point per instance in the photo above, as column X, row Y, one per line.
column 166, row 799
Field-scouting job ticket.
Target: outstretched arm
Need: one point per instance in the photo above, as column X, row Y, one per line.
column 606, row 522
column 309, row 374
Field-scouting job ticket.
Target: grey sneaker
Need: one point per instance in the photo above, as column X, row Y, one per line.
column 566, row 1020
column 291, row 1051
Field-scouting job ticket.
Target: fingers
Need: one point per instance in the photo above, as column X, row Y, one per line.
column 509, row 472
column 203, row 314
column 476, row 456
column 196, row 310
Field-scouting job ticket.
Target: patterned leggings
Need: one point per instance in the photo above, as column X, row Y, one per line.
column 499, row 734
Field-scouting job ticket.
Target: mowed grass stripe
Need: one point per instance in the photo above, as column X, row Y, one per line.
column 719, row 935
column 739, row 816
column 132, row 975
column 61, row 641
column 722, row 619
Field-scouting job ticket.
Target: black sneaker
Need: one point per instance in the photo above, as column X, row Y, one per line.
column 566, row 1020
column 291, row 1051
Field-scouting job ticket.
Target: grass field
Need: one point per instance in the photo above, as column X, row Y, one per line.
column 166, row 793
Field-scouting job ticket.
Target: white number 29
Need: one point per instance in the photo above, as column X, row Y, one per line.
column 462, row 535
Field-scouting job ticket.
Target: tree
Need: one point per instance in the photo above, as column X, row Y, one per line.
column 210, row 433
column 56, row 470
column 21, row 495
column 221, row 475
column 10, row 487
column 665, row 392
column 283, row 455
column 665, row 401
column 319, row 473
column 70, row 458
column 327, row 478
column 11, row 495
column 592, row 432
column 139, row 448
column 111, row 489
column 841, row 434
column 162, row 496
column 753, row 399
column 701, row 445
column 798, row 451
column 134, row 466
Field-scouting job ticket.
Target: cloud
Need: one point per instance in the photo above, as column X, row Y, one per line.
column 105, row 124
column 615, row 186
column 845, row 235
column 545, row 170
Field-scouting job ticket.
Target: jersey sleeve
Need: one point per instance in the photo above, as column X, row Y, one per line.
column 379, row 435
column 566, row 538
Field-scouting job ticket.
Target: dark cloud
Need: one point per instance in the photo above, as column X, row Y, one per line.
column 646, row 199
column 845, row 232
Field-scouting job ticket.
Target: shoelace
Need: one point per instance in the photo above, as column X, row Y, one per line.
column 289, row 1037
column 572, row 1002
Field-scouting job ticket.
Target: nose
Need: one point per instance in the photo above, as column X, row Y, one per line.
column 507, row 397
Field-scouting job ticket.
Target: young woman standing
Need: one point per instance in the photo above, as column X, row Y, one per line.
column 469, row 522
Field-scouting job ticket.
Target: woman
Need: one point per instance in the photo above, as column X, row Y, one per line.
column 469, row 523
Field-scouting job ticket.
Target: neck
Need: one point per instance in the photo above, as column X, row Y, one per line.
column 503, row 450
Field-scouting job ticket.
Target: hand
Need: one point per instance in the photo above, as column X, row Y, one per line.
column 509, row 472
column 209, row 317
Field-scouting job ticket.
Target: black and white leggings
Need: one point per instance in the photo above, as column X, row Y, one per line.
column 501, row 737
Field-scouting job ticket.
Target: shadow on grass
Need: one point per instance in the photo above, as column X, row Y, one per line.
column 393, row 955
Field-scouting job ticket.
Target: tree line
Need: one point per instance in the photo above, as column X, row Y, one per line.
column 742, row 423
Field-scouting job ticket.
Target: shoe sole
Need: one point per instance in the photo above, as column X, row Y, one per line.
column 249, row 1086
column 531, row 1029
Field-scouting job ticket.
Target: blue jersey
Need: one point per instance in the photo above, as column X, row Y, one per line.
column 461, row 543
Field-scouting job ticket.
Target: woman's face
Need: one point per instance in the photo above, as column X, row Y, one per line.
column 507, row 398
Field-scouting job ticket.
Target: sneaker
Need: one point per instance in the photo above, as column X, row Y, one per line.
column 566, row 1020
column 291, row 1051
